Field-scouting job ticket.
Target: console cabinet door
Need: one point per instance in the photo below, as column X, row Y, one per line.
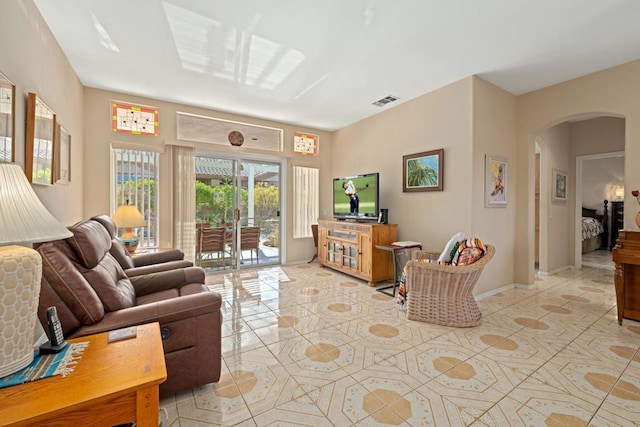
column 365, row 249
column 322, row 245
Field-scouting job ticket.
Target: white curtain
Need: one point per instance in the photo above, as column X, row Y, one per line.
column 184, row 200
column 306, row 200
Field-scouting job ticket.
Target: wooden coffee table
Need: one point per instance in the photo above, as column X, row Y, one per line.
column 112, row 383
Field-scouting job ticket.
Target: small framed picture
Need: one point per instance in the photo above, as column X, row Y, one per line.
column 62, row 159
column 495, row 182
column 423, row 171
column 560, row 182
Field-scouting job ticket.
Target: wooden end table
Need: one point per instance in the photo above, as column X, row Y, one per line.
column 112, row 383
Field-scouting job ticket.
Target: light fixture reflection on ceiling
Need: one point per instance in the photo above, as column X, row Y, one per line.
column 105, row 38
column 206, row 46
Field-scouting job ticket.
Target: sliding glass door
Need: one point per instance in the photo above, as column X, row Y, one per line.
column 237, row 212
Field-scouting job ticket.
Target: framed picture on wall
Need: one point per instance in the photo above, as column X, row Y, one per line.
column 423, row 171
column 560, row 182
column 495, row 182
column 62, row 159
column 40, row 141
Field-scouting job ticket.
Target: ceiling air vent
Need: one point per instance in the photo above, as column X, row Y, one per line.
column 384, row 101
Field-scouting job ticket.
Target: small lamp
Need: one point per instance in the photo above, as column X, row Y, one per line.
column 23, row 220
column 128, row 216
column 618, row 192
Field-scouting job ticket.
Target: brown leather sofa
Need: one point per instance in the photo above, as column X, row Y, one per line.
column 93, row 294
column 169, row 259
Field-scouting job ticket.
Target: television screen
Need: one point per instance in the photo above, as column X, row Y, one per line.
column 356, row 196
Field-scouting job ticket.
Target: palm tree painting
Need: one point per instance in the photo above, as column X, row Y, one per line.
column 423, row 171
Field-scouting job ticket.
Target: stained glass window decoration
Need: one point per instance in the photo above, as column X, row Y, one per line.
column 135, row 119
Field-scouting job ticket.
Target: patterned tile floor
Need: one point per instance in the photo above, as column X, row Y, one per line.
column 598, row 259
column 305, row 346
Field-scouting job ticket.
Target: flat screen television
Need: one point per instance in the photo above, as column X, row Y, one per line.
column 356, row 197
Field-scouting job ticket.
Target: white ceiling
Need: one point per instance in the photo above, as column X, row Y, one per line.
column 323, row 63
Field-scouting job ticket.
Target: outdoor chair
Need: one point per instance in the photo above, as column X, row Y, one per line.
column 210, row 242
column 250, row 240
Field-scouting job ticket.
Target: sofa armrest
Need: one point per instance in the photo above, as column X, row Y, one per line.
column 155, row 268
column 163, row 280
column 158, row 257
column 166, row 311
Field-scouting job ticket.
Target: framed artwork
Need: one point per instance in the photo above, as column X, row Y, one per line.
column 495, row 182
column 305, row 143
column 560, row 181
column 40, row 141
column 7, row 119
column 134, row 119
column 423, row 171
column 62, row 169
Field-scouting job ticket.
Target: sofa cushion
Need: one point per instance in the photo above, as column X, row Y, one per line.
column 121, row 255
column 118, row 250
column 69, row 284
column 107, row 223
column 90, row 241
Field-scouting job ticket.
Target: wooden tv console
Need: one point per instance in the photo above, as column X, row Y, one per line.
column 350, row 247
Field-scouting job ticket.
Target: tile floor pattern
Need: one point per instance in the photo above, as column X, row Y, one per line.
column 598, row 259
column 305, row 346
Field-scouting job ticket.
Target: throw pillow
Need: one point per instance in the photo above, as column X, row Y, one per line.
column 469, row 256
column 445, row 256
column 454, row 250
column 472, row 248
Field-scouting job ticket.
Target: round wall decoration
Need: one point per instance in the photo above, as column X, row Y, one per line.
column 236, row 138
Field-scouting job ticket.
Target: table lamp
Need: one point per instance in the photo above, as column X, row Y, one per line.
column 23, row 220
column 128, row 216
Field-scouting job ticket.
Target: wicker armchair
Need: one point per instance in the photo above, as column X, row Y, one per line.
column 443, row 294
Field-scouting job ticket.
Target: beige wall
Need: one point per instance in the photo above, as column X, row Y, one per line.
column 32, row 59
column 99, row 137
column 597, row 136
column 440, row 119
column 612, row 92
column 469, row 119
column 557, row 221
column 494, row 133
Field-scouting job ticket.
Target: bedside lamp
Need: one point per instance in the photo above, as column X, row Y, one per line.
column 23, row 220
column 618, row 192
column 128, row 216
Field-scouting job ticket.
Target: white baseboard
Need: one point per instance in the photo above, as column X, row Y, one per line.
column 556, row 271
column 493, row 292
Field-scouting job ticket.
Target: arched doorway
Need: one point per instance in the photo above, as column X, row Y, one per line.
column 562, row 146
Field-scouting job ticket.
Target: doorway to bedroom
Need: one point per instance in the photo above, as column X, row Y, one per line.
column 585, row 154
column 599, row 175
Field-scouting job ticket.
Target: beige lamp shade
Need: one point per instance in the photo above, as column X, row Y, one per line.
column 23, row 219
column 128, row 216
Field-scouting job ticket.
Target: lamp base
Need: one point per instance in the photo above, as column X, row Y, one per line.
column 20, row 269
column 130, row 241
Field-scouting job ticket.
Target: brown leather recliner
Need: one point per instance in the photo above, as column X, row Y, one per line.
column 145, row 263
column 93, row 294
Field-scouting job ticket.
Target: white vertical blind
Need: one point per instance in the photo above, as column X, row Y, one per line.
column 184, row 200
column 306, row 200
column 135, row 181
